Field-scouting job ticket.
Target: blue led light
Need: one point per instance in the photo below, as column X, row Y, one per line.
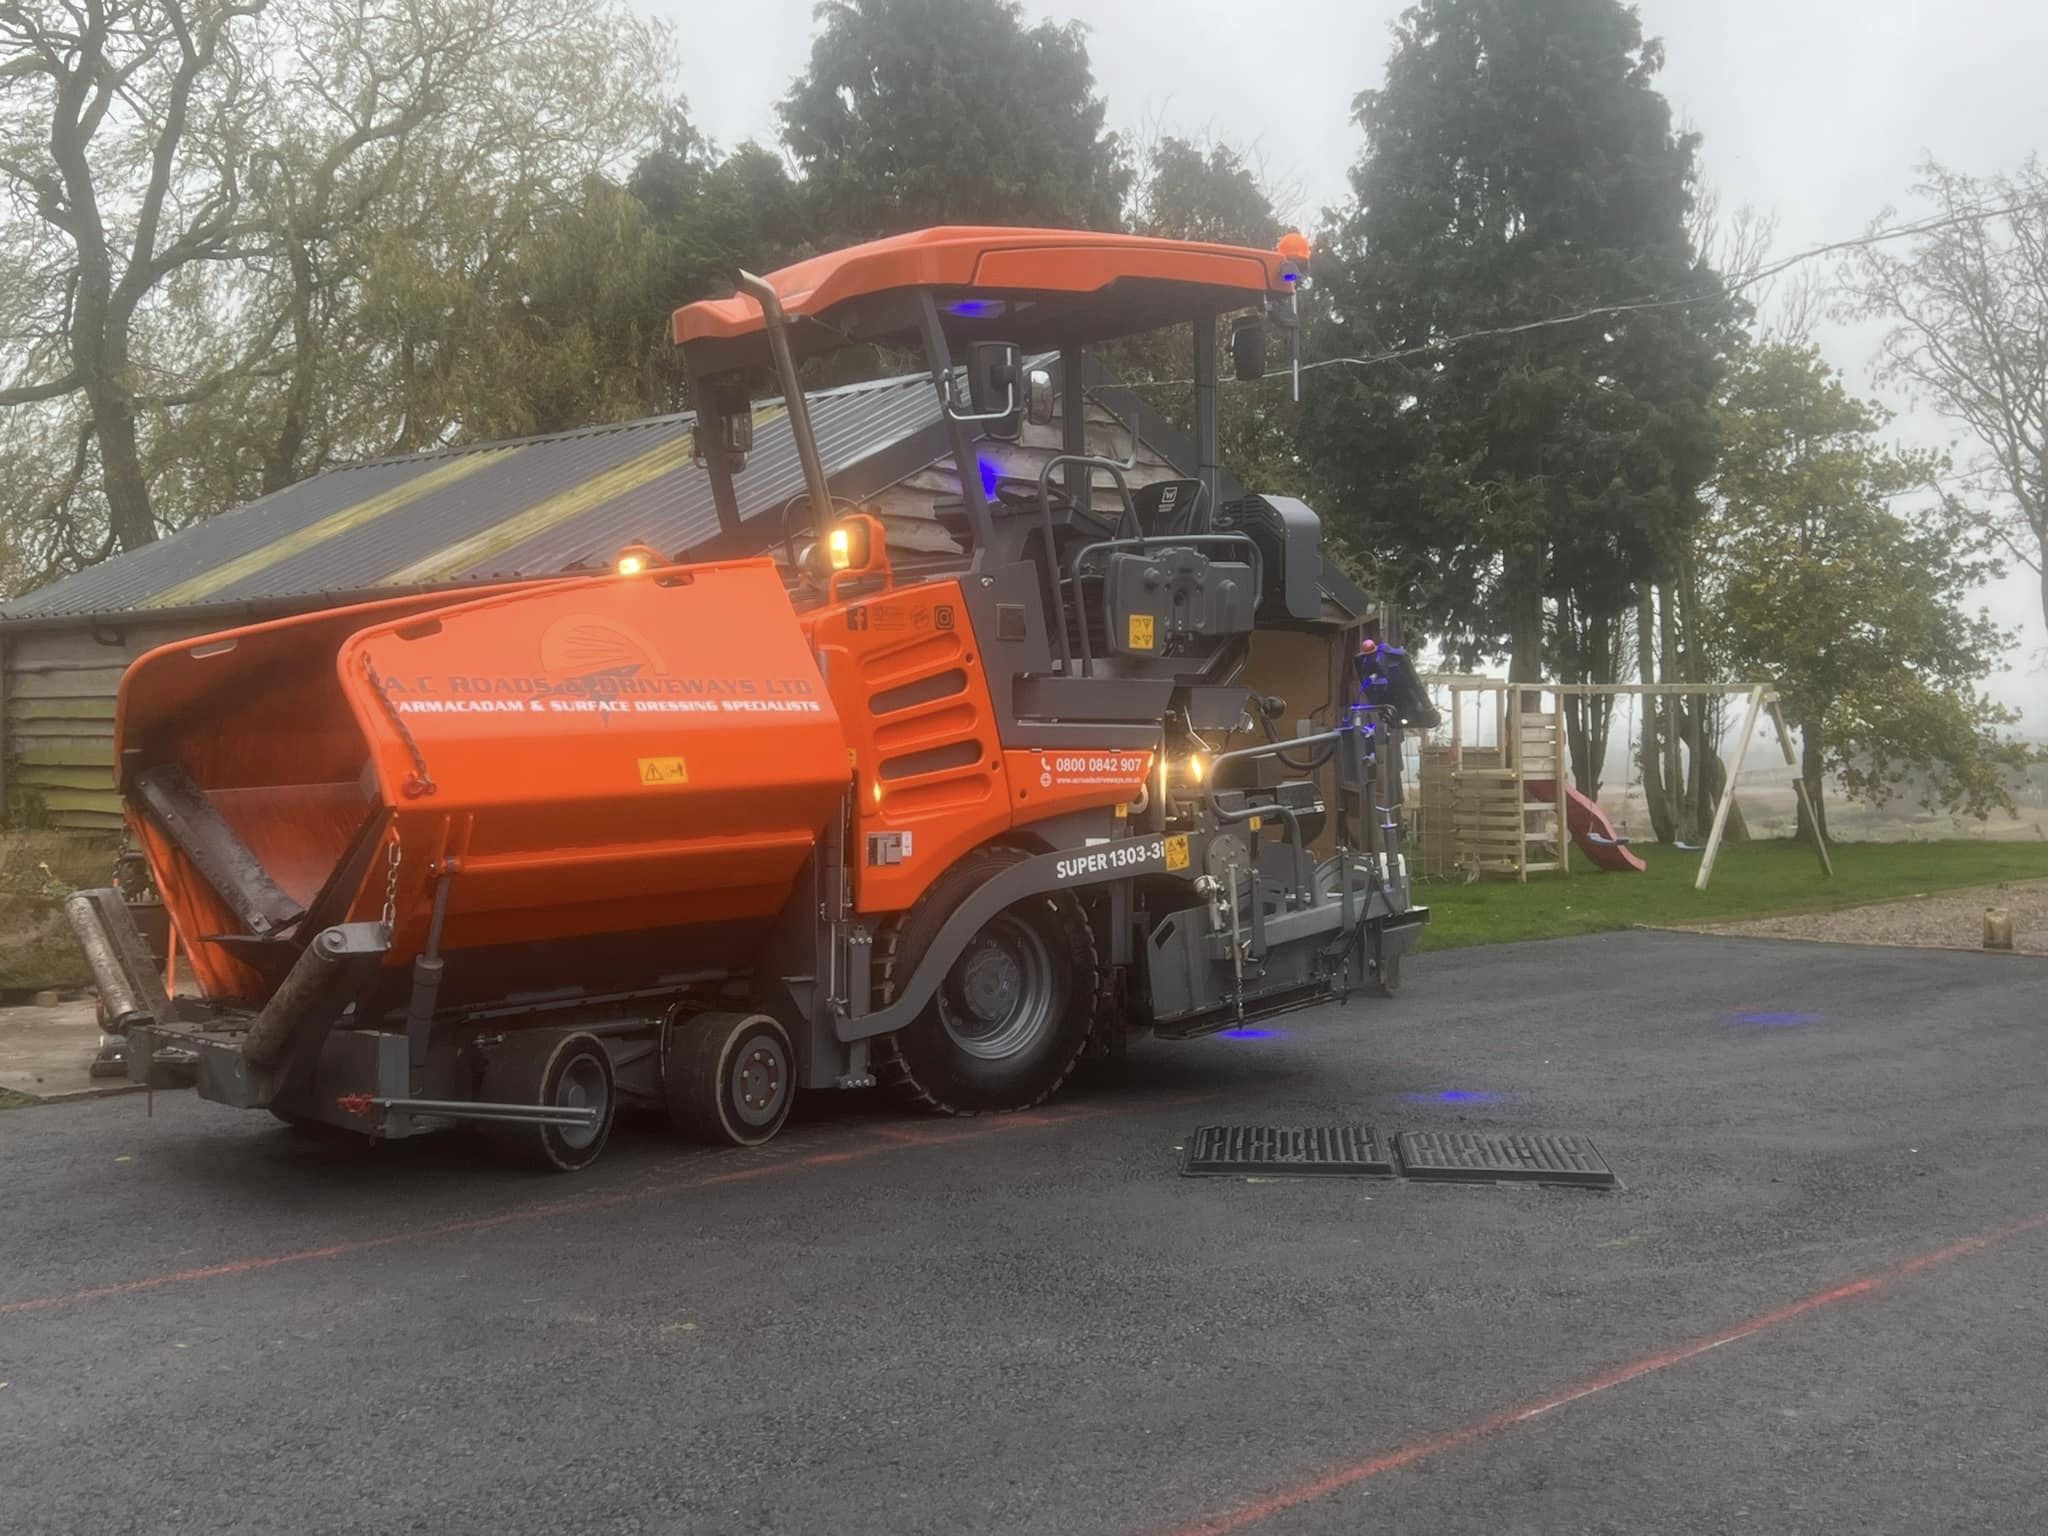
column 991, row 472
column 1454, row 1096
column 1249, row 1033
column 975, row 309
column 1767, row 1018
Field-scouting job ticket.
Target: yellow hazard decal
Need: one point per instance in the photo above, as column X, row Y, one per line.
column 1123, row 811
column 1177, row 851
column 1141, row 632
column 1255, row 823
column 658, row 771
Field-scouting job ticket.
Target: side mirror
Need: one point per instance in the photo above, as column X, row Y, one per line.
column 993, row 369
column 726, row 410
column 1248, row 350
column 1040, row 402
column 737, row 433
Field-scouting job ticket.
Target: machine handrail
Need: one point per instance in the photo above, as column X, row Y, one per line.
column 1287, row 813
column 1052, row 559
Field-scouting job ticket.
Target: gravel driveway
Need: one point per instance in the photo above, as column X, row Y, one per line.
column 1946, row 920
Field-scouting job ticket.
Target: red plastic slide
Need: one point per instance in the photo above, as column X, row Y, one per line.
column 1589, row 825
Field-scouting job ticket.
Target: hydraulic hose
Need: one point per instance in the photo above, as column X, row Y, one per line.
column 1315, row 761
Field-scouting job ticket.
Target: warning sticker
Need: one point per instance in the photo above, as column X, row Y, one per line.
column 1177, row 851
column 1141, row 633
column 658, row 771
column 1118, row 770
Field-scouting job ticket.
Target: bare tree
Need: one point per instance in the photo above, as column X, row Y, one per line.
column 428, row 140
column 1968, row 304
column 120, row 132
column 256, row 236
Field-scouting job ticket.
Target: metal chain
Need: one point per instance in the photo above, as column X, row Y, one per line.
column 419, row 781
column 392, row 858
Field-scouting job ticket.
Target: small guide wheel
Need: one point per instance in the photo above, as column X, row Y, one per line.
column 566, row 1070
column 729, row 1078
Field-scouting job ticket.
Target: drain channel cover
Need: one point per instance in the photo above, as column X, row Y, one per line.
column 1285, row 1150
column 1480, row 1158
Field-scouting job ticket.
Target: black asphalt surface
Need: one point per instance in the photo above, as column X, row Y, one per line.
column 1032, row 1324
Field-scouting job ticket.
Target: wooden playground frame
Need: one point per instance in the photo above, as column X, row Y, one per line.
column 1492, row 820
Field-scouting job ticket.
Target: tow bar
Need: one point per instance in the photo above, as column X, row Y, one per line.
column 469, row 1109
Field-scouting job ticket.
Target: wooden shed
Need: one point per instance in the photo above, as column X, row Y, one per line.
column 498, row 511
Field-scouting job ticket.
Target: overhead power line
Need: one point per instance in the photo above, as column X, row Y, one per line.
column 1733, row 285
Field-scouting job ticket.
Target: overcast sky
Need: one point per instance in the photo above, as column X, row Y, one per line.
column 1814, row 111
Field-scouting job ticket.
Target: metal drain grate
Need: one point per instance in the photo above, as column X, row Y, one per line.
column 1286, row 1150
column 1481, row 1158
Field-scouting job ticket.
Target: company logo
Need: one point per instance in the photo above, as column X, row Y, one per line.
column 582, row 645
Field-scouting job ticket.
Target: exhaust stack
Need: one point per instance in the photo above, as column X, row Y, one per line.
column 764, row 294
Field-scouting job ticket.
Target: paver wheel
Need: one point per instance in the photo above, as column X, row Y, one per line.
column 1014, row 1011
column 729, row 1078
column 572, row 1070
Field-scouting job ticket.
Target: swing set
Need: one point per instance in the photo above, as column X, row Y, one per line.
column 1509, row 807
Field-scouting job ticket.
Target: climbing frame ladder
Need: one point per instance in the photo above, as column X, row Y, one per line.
column 1497, row 827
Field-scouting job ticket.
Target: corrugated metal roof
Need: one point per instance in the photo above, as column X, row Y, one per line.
column 488, row 512
column 529, row 508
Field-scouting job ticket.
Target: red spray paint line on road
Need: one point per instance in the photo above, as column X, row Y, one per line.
column 888, row 1139
column 1340, row 1478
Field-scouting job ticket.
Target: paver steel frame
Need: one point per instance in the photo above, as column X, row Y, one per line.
column 701, row 835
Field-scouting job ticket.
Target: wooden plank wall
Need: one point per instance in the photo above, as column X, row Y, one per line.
column 57, row 722
column 1487, row 817
column 1441, row 852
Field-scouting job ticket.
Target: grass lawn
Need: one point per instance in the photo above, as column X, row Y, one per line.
column 9, row 1099
column 1750, row 880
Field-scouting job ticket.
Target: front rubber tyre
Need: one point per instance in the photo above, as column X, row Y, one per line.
column 571, row 1070
column 729, row 1078
column 1015, row 1009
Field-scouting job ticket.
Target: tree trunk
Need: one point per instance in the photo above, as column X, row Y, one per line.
column 281, row 456
column 1811, row 772
column 1713, row 779
column 1699, row 812
column 1669, row 726
column 1586, row 734
column 1525, row 620
column 1586, row 655
column 1649, row 751
column 100, row 309
column 1737, row 830
column 121, row 478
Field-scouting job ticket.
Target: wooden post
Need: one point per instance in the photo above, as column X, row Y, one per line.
column 1507, row 716
column 1561, row 814
column 1820, row 841
column 1756, row 703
